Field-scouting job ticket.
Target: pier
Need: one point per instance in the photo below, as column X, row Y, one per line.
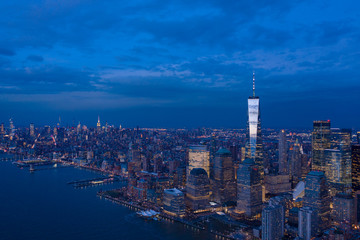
column 164, row 216
column 36, row 162
column 96, row 181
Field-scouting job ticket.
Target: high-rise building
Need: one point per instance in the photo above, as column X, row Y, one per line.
column 135, row 157
column 305, row 164
column 2, row 129
column 224, row 177
column 295, row 163
column 199, row 157
column 283, row 163
column 198, row 189
column 320, row 141
column 12, row 128
column 180, row 177
column 98, row 124
column 249, row 189
column 317, row 197
column 307, row 223
column 341, row 141
column 333, row 170
column 343, row 209
column 32, row 130
column 174, row 202
column 254, row 146
column 273, row 221
column 276, row 184
column 357, row 206
column 355, row 167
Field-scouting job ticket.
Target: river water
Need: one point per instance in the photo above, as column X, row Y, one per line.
column 41, row 205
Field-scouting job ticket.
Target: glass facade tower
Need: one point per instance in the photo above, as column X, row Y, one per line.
column 199, row 157
column 320, row 141
column 317, row 197
column 253, row 134
column 355, row 167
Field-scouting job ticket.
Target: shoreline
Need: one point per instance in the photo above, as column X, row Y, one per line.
column 162, row 215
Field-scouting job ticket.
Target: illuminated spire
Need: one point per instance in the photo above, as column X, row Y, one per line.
column 98, row 123
column 253, row 84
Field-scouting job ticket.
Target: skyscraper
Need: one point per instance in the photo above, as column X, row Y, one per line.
column 320, row 141
column 198, row 189
column 199, row 157
column 355, row 167
column 283, row 164
column 12, row 128
column 273, row 221
column 32, row 130
column 254, row 147
column 98, row 124
column 343, row 209
column 295, row 163
column 333, row 170
column 317, row 197
column 224, row 177
column 341, row 141
column 2, row 129
column 307, row 223
column 249, row 196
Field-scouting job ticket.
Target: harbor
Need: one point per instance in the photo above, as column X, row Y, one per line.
column 154, row 215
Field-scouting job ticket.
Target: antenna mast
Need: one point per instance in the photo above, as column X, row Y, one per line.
column 253, row 84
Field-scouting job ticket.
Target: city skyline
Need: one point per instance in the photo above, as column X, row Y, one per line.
column 179, row 64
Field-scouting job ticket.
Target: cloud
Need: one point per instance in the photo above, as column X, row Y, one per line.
column 7, row 52
column 83, row 100
column 35, row 58
column 177, row 53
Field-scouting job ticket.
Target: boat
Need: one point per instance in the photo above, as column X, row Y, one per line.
column 148, row 214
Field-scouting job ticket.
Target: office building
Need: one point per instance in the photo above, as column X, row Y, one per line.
column 338, row 161
column 224, row 177
column 317, row 197
column 355, row 167
column 295, row 163
column 333, row 170
column 343, row 209
column 273, row 221
column 199, row 157
column 254, row 146
column 198, row 190
column 174, row 202
column 357, row 206
column 320, row 141
column 307, row 223
column 276, row 184
column 249, row 190
column 283, row 163
column 32, row 130
column 98, row 124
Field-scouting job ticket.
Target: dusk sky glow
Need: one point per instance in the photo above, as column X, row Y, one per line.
column 180, row 63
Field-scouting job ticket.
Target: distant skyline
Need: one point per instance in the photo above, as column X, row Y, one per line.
column 180, row 63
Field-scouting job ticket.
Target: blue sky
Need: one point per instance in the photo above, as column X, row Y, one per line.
column 180, row 63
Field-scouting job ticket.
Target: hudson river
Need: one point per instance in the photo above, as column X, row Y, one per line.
column 41, row 205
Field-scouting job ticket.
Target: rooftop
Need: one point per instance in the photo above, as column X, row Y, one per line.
column 173, row 191
column 223, row 151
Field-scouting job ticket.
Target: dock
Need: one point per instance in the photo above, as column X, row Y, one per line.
column 96, row 181
column 166, row 217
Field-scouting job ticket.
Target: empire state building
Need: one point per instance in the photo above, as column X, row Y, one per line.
column 254, row 147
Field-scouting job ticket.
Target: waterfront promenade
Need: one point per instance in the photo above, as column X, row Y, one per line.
column 164, row 216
